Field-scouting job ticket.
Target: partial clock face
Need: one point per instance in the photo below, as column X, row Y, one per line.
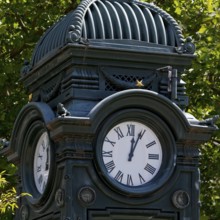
column 42, row 161
column 131, row 153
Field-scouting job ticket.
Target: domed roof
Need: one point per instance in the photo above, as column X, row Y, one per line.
column 110, row 20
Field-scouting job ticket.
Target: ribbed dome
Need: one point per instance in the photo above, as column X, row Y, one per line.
column 110, row 20
column 129, row 20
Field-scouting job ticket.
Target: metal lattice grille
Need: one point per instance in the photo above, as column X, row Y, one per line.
column 125, row 78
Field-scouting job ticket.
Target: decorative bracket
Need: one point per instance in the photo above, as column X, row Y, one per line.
column 62, row 111
column 210, row 121
column 187, row 47
column 172, row 80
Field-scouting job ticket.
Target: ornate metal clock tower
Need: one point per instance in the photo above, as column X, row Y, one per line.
column 105, row 135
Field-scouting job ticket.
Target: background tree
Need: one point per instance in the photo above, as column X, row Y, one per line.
column 23, row 22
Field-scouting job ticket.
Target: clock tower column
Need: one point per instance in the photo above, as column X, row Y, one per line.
column 106, row 134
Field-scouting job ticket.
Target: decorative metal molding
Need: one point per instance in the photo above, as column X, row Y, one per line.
column 172, row 87
column 87, row 196
column 121, row 84
column 131, row 214
column 60, row 197
column 68, row 154
column 168, row 18
column 188, row 47
column 81, row 78
column 188, row 152
column 62, row 111
column 206, row 122
column 210, row 121
column 181, row 199
column 111, row 25
column 37, row 113
column 49, row 90
column 25, row 69
column 75, row 28
column 24, row 212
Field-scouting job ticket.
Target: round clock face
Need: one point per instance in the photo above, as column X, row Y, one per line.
column 42, row 159
column 131, row 153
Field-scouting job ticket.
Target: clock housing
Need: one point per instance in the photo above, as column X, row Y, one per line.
column 135, row 152
column 38, row 163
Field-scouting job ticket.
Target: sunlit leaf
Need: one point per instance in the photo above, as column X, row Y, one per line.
column 210, row 5
column 3, row 28
column 178, row 10
column 202, row 29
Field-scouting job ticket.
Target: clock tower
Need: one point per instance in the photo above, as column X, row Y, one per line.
column 106, row 135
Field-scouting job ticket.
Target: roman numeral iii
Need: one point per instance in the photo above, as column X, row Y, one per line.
column 153, row 156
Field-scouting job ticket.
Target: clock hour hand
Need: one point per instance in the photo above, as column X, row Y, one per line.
column 47, row 160
column 133, row 146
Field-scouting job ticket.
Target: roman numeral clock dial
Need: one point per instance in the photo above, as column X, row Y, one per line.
column 42, row 161
column 131, row 154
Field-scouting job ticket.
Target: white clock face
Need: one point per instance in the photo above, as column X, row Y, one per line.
column 42, row 161
column 132, row 153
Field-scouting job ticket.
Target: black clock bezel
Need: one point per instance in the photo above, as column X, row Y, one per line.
column 165, row 136
column 33, row 134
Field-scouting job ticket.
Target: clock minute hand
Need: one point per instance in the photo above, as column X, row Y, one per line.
column 47, row 161
column 133, row 146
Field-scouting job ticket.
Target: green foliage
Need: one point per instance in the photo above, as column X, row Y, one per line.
column 211, row 179
column 8, row 197
column 22, row 23
column 3, row 181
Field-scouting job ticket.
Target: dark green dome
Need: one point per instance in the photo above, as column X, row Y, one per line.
column 110, row 20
